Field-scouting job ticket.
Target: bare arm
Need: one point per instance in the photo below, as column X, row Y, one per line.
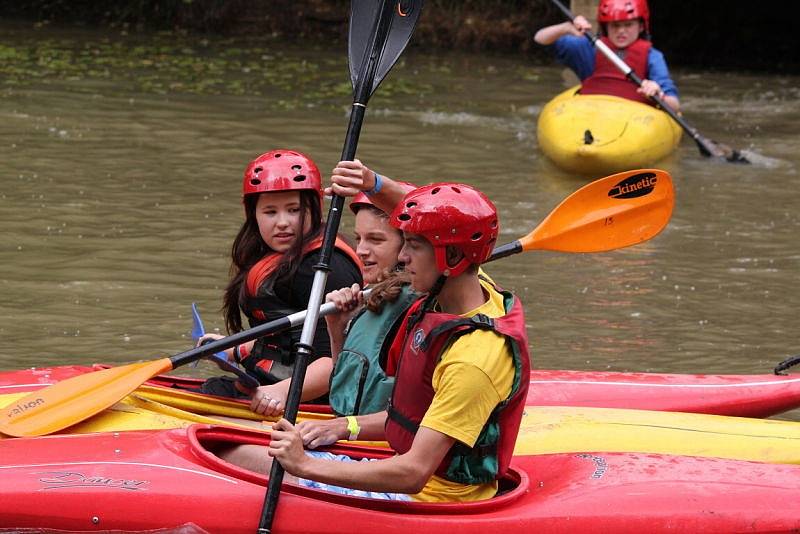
column 348, row 301
column 320, row 433
column 351, row 177
column 404, row 473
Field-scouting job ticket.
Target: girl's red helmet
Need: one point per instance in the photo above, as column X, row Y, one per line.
column 450, row 214
column 618, row 10
column 281, row 170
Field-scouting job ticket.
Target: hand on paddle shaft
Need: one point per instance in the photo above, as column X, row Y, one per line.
column 706, row 146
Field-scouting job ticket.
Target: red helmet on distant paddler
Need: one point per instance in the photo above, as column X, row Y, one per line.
column 282, row 170
column 619, row 10
column 361, row 199
column 450, row 214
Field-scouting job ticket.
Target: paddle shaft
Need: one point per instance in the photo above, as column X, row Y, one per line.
column 304, row 349
column 706, row 146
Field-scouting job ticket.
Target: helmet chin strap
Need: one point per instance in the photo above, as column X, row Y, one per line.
column 434, row 292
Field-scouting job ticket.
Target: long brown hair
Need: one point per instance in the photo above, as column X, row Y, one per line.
column 248, row 248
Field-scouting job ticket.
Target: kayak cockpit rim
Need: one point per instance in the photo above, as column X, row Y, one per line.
column 203, row 438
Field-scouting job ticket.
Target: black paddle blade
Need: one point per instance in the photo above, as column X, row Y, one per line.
column 364, row 15
column 786, row 364
column 711, row 148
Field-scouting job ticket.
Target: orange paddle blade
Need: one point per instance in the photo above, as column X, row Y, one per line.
column 75, row 399
column 610, row 213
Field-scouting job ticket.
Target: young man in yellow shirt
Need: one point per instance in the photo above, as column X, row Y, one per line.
column 461, row 365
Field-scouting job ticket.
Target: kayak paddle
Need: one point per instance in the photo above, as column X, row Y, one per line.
column 707, row 146
column 610, row 213
column 378, row 34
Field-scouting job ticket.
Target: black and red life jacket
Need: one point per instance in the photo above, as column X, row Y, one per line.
column 271, row 358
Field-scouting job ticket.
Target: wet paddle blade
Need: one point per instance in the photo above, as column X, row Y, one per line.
column 75, row 399
column 363, row 16
column 710, row 148
column 610, row 213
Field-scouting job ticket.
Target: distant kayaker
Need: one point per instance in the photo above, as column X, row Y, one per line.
column 461, row 362
column 272, row 261
column 625, row 28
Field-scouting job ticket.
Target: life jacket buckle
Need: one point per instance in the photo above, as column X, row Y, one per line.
column 483, row 321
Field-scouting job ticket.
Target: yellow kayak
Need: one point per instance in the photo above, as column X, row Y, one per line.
column 601, row 134
column 544, row 429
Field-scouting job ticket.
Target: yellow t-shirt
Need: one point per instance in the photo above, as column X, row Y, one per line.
column 474, row 374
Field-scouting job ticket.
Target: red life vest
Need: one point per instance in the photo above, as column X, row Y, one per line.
column 262, row 304
column 423, row 343
column 607, row 78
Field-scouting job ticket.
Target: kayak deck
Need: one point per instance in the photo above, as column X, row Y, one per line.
column 754, row 395
column 603, row 134
column 151, row 480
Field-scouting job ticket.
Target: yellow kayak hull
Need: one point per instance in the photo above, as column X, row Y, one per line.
column 544, row 430
column 602, row 134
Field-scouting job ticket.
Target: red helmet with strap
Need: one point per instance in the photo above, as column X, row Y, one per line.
column 450, row 214
column 281, row 170
column 619, row 10
column 361, row 199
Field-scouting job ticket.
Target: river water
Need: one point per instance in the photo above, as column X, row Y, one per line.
column 121, row 159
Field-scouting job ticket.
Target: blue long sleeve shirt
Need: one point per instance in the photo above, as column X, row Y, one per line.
column 578, row 54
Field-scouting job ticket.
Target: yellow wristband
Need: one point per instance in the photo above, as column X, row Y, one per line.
column 352, row 427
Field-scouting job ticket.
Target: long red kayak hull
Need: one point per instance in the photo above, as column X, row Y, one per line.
column 760, row 395
column 165, row 480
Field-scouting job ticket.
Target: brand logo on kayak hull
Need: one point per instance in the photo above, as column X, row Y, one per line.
column 20, row 409
column 73, row 479
column 634, row 186
column 600, row 465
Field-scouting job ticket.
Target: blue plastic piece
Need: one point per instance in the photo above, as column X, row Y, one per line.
column 220, row 358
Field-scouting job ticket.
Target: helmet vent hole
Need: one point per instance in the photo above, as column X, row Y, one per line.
column 435, row 190
column 255, row 181
column 258, row 170
column 296, row 167
column 456, row 189
column 278, row 155
column 476, row 236
column 493, row 224
column 299, row 178
column 411, row 204
column 405, row 217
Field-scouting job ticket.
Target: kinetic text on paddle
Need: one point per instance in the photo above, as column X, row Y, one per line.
column 638, row 185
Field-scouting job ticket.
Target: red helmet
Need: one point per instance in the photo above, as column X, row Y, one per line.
column 361, row 199
column 281, row 170
column 450, row 214
column 618, row 10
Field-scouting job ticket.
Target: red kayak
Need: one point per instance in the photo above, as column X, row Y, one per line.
column 737, row 395
column 142, row 481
